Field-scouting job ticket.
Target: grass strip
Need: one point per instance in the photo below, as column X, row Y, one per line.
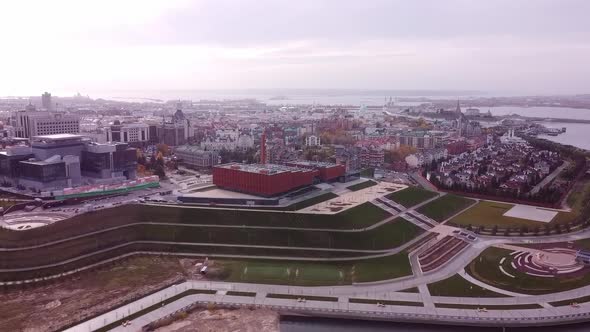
column 362, row 185
column 306, row 297
column 488, row 307
column 387, row 302
column 238, row 293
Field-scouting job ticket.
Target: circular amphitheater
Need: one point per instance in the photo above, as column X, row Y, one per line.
column 26, row 220
column 546, row 263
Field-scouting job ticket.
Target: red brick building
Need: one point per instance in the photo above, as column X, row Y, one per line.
column 262, row 180
column 328, row 172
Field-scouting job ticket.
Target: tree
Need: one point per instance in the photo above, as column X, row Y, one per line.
column 163, row 149
column 159, row 171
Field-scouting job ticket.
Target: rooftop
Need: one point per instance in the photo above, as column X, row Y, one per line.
column 57, row 137
column 270, row 169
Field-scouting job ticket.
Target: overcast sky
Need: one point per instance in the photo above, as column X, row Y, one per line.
column 536, row 46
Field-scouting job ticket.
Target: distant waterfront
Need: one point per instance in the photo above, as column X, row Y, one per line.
column 577, row 134
column 546, row 112
column 291, row 96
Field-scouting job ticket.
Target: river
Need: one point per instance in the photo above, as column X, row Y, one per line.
column 307, row 324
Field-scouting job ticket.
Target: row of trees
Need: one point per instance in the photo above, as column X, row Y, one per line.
column 578, row 156
column 547, row 195
column 154, row 164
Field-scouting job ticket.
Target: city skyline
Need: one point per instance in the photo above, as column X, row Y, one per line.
column 506, row 46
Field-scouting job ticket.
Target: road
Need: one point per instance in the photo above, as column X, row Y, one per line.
column 549, row 178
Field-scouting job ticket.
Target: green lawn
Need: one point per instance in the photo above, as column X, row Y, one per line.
column 411, row 196
column 458, row 286
column 361, row 185
column 575, row 200
column 486, row 213
column 267, row 273
column 383, row 268
column 485, row 268
column 238, row 293
column 444, row 207
column 410, row 290
column 387, row 236
column 301, row 273
column 311, row 201
column 363, row 215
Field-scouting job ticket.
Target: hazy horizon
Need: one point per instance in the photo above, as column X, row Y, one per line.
column 500, row 47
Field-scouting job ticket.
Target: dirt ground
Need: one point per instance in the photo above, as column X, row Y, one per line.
column 51, row 307
column 218, row 320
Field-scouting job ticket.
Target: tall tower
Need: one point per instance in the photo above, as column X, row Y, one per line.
column 458, row 107
column 46, row 101
column 263, row 147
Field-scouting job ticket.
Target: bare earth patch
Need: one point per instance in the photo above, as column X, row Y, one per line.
column 51, row 307
column 242, row 320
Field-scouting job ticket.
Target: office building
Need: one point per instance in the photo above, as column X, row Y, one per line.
column 31, row 123
column 313, row 140
column 55, row 162
column 175, row 132
column 137, row 134
column 193, row 156
column 418, row 139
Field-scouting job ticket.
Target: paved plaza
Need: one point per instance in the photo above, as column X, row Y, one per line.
column 531, row 213
column 349, row 199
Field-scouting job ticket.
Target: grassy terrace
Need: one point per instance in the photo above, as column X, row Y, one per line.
column 386, row 236
column 442, row 208
column 486, row 268
column 458, row 286
column 411, row 196
column 486, row 213
column 361, row 185
column 360, row 216
column 316, row 273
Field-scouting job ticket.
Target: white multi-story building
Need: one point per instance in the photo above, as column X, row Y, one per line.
column 245, row 142
column 218, row 145
column 34, row 123
column 426, row 157
column 128, row 133
column 313, row 140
